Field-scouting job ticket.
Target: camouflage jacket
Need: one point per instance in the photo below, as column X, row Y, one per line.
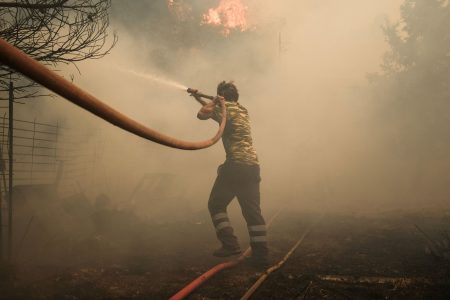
column 237, row 138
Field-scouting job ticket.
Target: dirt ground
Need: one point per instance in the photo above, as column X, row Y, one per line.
column 138, row 259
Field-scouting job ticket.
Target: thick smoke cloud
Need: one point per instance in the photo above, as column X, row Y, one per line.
column 301, row 71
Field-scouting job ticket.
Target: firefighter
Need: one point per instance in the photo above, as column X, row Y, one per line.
column 238, row 176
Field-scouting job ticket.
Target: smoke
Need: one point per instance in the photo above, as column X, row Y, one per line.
column 154, row 78
column 302, row 73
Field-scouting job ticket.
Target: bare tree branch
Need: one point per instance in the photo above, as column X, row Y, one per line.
column 31, row 5
column 54, row 32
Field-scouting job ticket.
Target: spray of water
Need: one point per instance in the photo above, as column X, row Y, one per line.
column 156, row 79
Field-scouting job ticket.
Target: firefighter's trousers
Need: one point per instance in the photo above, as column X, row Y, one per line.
column 241, row 181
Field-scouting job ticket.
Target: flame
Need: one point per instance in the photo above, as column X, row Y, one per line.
column 230, row 14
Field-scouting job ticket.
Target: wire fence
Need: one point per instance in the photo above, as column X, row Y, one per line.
column 44, row 154
column 35, row 148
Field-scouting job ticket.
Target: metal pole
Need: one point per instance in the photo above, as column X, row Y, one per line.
column 2, row 170
column 10, row 173
column 1, row 204
column 3, row 190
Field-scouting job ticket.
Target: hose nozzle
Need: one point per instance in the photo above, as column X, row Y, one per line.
column 195, row 92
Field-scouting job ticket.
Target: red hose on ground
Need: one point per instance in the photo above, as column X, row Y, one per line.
column 183, row 293
column 193, row 285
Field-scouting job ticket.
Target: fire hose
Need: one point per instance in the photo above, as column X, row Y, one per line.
column 21, row 62
column 249, row 293
column 193, row 285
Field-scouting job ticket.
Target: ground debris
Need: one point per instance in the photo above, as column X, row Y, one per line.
column 382, row 260
column 396, row 281
column 439, row 248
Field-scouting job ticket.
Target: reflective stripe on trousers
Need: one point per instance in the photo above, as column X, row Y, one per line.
column 258, row 233
column 221, row 221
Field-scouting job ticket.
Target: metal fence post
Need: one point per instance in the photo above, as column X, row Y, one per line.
column 1, row 205
column 3, row 190
column 10, row 173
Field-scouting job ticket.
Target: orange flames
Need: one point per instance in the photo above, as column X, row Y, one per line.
column 230, row 14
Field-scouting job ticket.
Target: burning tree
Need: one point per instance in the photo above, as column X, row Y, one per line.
column 62, row 31
column 230, row 14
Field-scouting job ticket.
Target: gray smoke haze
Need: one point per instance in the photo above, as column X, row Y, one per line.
column 301, row 72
